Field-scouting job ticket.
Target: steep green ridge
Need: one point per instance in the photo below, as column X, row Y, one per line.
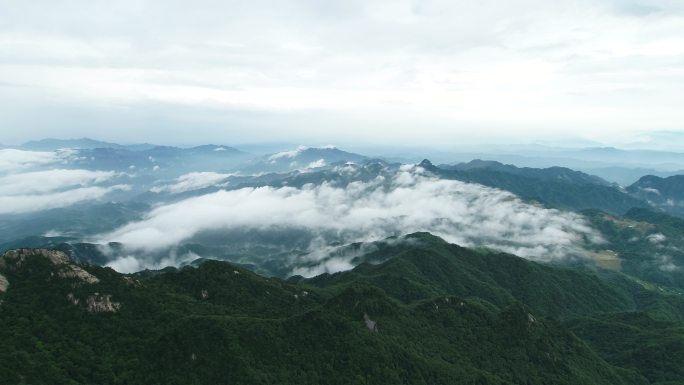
column 567, row 192
column 634, row 340
column 424, row 266
column 426, row 312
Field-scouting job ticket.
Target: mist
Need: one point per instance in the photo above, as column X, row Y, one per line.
column 409, row 201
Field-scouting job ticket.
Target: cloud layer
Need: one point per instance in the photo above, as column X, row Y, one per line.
column 26, row 187
column 12, row 160
column 278, row 70
column 467, row 214
column 192, row 181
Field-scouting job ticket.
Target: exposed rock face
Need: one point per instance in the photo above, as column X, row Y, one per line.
column 14, row 259
column 64, row 268
column 102, row 303
column 73, row 271
column 96, row 303
column 18, row 256
column 4, row 284
column 370, row 324
column 72, row 298
column 130, row 281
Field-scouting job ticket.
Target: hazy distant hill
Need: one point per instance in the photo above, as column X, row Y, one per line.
column 555, row 174
column 555, row 187
column 51, row 144
column 664, row 193
column 302, row 158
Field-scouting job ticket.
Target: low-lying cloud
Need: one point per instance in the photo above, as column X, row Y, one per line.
column 17, row 204
column 26, row 187
column 12, row 160
column 131, row 264
column 38, row 182
column 192, row 181
column 410, row 201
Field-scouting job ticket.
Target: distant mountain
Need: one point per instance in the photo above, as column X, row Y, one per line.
column 163, row 161
column 430, row 313
column 664, row 193
column 51, row 144
column 79, row 220
column 556, row 174
column 555, row 187
column 645, row 244
column 614, row 155
column 626, row 176
column 302, row 158
column 612, row 164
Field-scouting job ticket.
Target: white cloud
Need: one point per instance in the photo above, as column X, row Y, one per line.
column 288, row 154
column 467, row 214
column 37, row 182
column 17, row 204
column 315, row 164
column 12, row 160
column 597, row 67
column 29, row 191
column 131, row 264
column 192, row 181
column 665, row 263
column 656, row 238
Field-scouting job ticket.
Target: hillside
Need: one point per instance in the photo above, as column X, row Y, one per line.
column 429, row 313
column 554, row 187
column 666, row 194
column 643, row 243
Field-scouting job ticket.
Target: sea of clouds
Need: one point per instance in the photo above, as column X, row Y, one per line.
column 409, row 201
column 33, row 181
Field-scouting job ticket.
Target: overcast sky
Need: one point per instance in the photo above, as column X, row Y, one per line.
column 324, row 71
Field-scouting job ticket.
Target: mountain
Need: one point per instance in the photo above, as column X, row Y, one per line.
column 645, row 244
column 664, row 193
column 161, row 161
column 52, row 144
column 637, row 342
column 424, row 266
column 554, row 187
column 557, row 174
column 78, row 220
column 303, row 158
column 401, row 320
column 626, row 176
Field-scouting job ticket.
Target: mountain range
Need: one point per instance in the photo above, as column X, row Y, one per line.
column 430, row 312
column 209, row 264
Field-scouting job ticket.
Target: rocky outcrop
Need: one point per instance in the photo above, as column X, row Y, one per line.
column 75, row 272
column 96, row 303
column 14, row 259
column 102, row 303
column 4, row 284
column 370, row 324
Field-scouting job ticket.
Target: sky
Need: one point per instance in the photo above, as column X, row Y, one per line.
column 318, row 71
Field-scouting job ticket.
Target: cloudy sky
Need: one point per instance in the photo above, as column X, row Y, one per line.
column 321, row 71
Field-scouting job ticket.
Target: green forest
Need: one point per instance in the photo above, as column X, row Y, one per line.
column 419, row 311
